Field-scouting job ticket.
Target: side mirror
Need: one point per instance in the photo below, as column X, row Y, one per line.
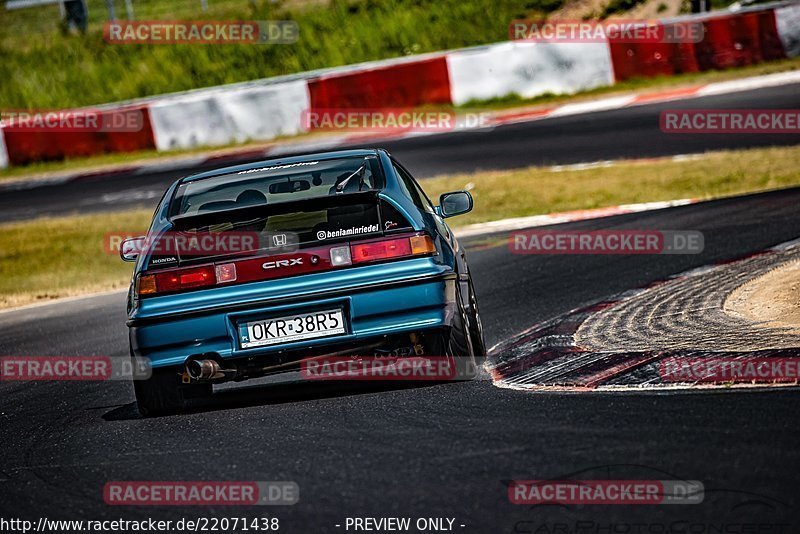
column 455, row 203
column 130, row 249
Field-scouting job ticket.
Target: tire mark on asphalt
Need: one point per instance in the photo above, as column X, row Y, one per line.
column 620, row 343
column 688, row 313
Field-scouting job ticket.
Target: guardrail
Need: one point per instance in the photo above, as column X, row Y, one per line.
column 265, row 109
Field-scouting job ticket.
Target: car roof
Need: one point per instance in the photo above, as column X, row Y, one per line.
column 281, row 161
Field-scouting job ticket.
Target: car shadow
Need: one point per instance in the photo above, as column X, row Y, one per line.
column 271, row 394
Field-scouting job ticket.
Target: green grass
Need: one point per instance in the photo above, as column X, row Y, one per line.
column 619, row 6
column 45, row 68
column 504, row 194
column 56, row 257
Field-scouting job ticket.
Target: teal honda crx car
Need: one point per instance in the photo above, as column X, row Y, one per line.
column 250, row 270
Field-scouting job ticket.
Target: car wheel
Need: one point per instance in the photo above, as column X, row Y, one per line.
column 459, row 343
column 475, row 325
column 163, row 393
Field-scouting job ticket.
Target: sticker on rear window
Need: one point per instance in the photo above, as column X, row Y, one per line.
column 347, row 232
column 274, row 167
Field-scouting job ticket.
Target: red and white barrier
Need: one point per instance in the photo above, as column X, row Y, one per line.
column 527, row 69
column 787, row 20
column 396, row 85
column 266, row 109
column 3, row 151
column 730, row 40
column 25, row 144
column 219, row 117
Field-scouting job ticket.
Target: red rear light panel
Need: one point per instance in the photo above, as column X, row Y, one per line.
column 304, row 261
column 384, row 249
column 283, row 265
column 182, row 279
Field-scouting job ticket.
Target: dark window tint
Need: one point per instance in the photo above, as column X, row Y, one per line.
column 274, row 227
column 413, row 190
column 275, row 183
column 392, row 219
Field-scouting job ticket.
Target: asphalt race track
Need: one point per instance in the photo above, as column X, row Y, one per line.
column 625, row 133
column 444, row 450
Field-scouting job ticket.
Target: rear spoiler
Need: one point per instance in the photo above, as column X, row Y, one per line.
column 201, row 220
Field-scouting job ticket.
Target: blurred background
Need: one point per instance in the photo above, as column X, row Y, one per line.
column 51, row 60
column 563, row 126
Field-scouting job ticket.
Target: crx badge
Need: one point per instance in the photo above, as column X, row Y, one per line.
column 291, row 262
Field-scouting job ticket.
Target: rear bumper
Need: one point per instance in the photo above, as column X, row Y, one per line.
column 379, row 300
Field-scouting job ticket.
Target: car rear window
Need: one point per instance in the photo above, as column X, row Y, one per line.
column 278, row 183
column 331, row 209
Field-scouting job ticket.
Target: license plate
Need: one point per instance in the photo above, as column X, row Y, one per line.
column 291, row 328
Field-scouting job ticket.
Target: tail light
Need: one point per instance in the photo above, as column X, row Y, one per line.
column 226, row 273
column 179, row 280
column 422, row 244
column 387, row 249
column 380, row 250
column 176, row 280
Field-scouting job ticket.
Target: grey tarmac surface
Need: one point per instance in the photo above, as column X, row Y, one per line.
column 444, row 450
column 624, row 133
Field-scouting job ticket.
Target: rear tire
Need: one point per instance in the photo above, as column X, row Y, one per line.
column 459, row 343
column 163, row 393
column 475, row 325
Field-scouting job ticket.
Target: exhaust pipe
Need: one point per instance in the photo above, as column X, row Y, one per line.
column 204, row 370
